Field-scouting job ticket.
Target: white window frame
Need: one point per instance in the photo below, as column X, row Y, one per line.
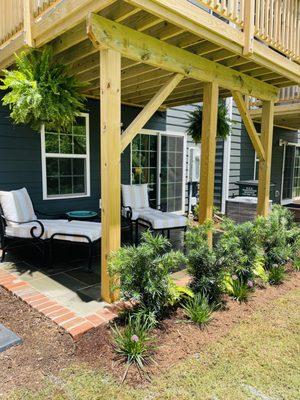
column 159, row 134
column 58, row 155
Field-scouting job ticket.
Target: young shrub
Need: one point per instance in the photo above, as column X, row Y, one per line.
column 142, row 272
column 240, row 250
column 237, row 288
column 274, row 235
column 133, row 343
column 199, row 310
column 277, row 274
column 204, row 266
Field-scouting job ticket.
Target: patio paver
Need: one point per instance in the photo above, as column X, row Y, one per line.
column 68, row 295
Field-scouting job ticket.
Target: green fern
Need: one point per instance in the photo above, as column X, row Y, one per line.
column 41, row 91
column 195, row 123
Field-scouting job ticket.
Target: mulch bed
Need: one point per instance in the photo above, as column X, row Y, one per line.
column 48, row 349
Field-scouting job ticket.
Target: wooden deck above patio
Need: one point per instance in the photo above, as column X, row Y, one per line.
column 259, row 40
column 286, row 110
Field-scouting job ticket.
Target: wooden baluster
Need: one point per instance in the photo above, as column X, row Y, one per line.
column 283, row 24
column 257, row 17
column 267, row 18
column 230, row 8
column 262, row 19
column 271, row 21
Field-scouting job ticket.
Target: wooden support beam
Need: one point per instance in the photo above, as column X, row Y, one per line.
column 264, row 174
column 28, row 21
column 208, row 153
column 139, row 122
column 245, row 114
column 110, row 116
column 149, row 50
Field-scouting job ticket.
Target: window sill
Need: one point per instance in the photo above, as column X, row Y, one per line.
column 67, row 197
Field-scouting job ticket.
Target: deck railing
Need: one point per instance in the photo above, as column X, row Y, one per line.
column 274, row 22
column 289, row 95
column 12, row 15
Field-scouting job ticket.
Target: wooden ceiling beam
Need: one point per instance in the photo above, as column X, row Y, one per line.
column 149, row 50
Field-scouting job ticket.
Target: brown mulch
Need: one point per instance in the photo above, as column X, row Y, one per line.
column 47, row 349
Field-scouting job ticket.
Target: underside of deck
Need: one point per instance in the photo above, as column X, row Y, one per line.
column 285, row 116
column 179, row 24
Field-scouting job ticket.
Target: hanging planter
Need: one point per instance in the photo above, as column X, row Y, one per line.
column 195, row 123
column 39, row 90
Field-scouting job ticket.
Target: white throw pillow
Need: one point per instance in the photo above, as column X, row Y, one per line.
column 17, row 206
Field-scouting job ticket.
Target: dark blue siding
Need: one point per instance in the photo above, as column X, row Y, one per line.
column 20, row 158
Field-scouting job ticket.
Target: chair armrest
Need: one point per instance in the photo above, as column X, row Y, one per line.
column 39, row 226
column 127, row 212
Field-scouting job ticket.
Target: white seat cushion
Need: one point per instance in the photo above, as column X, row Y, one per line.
column 17, row 206
column 23, row 230
column 135, row 196
column 161, row 220
column 90, row 229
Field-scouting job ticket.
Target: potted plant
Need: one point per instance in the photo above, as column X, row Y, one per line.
column 195, row 123
column 39, row 91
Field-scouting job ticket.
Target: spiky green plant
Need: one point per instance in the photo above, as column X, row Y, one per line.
column 195, row 123
column 39, row 90
column 199, row 310
column 142, row 272
column 277, row 274
column 134, row 343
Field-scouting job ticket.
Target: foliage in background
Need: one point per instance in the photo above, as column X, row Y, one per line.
column 203, row 265
column 240, row 250
column 41, row 91
column 177, row 293
column 216, row 210
column 276, row 274
column 199, row 310
column 143, row 272
column 237, row 287
column 195, row 123
column 134, row 342
column 277, row 235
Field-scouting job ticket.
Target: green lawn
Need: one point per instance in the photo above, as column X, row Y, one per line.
column 259, row 359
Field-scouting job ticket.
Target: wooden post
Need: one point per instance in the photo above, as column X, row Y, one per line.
column 208, row 152
column 264, row 175
column 110, row 112
column 249, row 7
column 28, row 21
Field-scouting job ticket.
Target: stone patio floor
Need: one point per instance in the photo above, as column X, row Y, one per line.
column 67, row 293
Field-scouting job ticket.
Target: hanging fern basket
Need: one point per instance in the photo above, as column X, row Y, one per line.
column 39, row 91
column 195, row 123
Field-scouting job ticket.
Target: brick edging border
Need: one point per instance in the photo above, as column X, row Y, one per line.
column 62, row 316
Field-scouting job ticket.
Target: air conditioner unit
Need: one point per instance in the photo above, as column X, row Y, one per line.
column 194, row 164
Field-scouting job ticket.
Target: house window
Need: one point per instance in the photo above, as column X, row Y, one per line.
column 65, row 161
